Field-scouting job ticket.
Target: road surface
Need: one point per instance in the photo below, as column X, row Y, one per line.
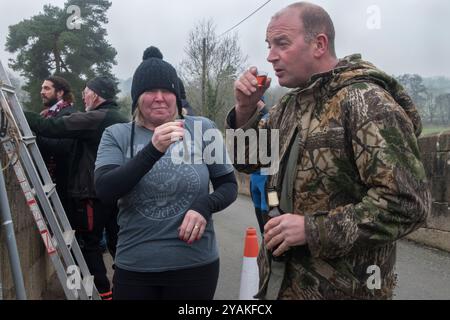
column 423, row 273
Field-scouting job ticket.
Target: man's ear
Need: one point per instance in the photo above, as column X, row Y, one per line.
column 59, row 94
column 321, row 45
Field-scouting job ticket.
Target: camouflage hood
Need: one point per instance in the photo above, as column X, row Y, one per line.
column 352, row 69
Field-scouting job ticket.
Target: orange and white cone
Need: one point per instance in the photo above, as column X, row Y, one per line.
column 250, row 274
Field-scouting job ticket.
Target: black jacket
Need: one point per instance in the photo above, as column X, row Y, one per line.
column 87, row 128
column 57, row 154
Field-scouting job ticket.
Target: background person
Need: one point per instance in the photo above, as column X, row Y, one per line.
column 58, row 101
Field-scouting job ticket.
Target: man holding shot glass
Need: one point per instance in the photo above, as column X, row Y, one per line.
column 350, row 181
column 166, row 247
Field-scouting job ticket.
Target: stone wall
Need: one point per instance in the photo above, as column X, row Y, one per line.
column 435, row 151
column 36, row 267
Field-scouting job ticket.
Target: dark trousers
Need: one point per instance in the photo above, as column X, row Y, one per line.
column 89, row 217
column 197, row 283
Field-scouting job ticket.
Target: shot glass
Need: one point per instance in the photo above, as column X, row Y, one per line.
column 261, row 78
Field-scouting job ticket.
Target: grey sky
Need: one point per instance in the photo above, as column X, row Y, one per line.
column 412, row 38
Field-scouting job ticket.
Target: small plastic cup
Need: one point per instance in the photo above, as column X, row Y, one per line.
column 180, row 122
column 261, row 78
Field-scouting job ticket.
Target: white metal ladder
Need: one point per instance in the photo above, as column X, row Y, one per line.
column 41, row 196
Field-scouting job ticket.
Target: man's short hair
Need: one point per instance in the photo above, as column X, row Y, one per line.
column 61, row 84
column 315, row 21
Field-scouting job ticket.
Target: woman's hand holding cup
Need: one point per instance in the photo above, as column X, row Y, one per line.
column 166, row 134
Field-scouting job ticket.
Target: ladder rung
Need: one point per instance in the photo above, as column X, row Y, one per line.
column 69, row 236
column 49, row 189
column 29, row 140
column 88, row 284
column 7, row 88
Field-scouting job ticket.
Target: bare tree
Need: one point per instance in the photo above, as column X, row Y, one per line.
column 430, row 109
column 413, row 83
column 443, row 103
column 210, row 68
column 16, row 82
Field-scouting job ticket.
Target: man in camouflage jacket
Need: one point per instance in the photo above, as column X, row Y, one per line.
column 357, row 183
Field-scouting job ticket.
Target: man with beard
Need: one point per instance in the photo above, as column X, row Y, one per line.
column 58, row 99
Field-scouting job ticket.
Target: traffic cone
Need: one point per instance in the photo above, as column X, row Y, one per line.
column 250, row 274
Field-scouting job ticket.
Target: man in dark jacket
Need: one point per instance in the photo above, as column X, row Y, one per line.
column 58, row 100
column 89, row 214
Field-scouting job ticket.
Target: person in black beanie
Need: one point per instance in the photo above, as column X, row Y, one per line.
column 104, row 86
column 187, row 109
column 166, row 246
column 155, row 73
column 103, row 89
column 88, row 216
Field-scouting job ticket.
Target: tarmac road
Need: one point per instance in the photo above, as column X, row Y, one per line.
column 423, row 273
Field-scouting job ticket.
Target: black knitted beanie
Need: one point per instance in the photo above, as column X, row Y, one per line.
column 103, row 86
column 154, row 73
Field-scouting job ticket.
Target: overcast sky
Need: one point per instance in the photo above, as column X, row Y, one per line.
column 411, row 36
